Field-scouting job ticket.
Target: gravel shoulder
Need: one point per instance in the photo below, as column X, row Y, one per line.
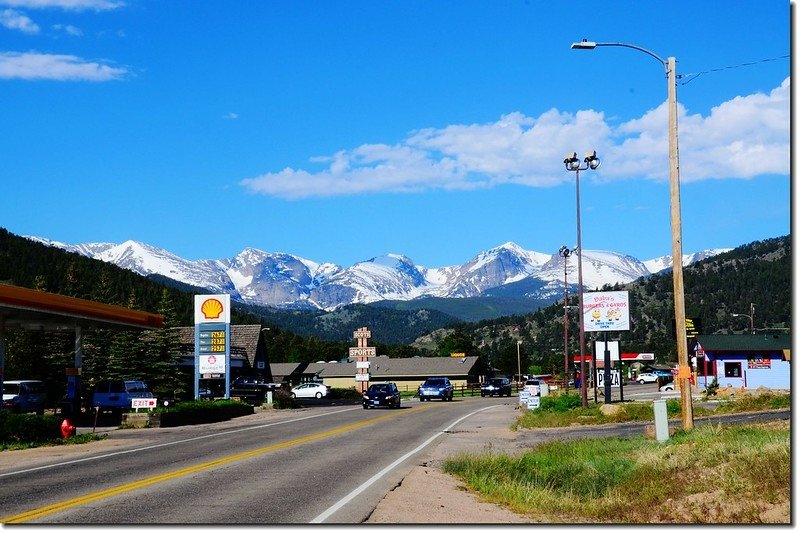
column 427, row 495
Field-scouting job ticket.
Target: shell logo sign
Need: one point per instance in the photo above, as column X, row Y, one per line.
column 212, row 308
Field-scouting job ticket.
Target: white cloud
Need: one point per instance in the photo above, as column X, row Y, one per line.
column 231, row 116
column 35, row 66
column 741, row 138
column 69, row 29
column 14, row 20
column 69, row 5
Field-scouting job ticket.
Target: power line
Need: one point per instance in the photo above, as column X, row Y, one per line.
column 694, row 75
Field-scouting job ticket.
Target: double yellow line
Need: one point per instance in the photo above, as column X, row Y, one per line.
column 40, row 512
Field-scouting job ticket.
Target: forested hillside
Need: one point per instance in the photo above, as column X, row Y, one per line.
column 759, row 273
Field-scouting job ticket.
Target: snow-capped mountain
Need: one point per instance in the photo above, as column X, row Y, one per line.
column 665, row 262
column 287, row 281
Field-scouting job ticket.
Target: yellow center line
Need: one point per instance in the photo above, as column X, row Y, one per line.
column 40, row 512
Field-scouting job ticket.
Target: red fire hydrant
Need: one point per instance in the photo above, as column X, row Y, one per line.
column 67, row 429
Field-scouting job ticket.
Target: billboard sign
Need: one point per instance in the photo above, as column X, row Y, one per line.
column 606, row 311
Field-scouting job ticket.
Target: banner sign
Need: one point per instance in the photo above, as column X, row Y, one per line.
column 606, row 311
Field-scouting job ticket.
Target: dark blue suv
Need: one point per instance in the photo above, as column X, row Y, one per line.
column 436, row 388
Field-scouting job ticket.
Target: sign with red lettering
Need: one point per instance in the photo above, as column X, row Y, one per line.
column 606, row 311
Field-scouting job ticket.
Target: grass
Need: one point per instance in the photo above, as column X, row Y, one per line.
column 712, row 474
column 76, row 439
column 565, row 410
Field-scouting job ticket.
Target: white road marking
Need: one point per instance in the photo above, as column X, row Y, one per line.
column 364, row 486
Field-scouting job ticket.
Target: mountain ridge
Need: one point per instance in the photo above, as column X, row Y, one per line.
column 287, row 281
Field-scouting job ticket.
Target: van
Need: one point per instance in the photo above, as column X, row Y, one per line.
column 116, row 394
column 24, row 396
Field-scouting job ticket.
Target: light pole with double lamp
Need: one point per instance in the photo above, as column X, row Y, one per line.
column 684, row 370
column 565, row 253
column 573, row 164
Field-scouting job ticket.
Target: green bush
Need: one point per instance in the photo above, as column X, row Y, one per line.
column 203, row 412
column 561, row 403
column 16, row 428
column 282, row 399
column 344, row 394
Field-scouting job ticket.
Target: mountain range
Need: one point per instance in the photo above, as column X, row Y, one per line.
column 286, row 281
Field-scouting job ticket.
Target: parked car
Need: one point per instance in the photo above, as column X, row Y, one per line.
column 646, row 377
column 436, row 388
column 662, row 373
column 24, row 396
column 116, row 394
column 252, row 389
column 381, row 394
column 668, row 387
column 499, row 386
column 310, row 390
column 536, row 387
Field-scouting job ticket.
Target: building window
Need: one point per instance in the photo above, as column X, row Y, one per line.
column 733, row 370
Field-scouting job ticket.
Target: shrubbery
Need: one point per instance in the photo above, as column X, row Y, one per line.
column 202, row 412
column 22, row 428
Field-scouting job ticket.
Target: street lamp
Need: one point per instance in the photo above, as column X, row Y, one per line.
column 519, row 367
column 573, row 164
column 684, row 370
column 750, row 316
column 565, row 253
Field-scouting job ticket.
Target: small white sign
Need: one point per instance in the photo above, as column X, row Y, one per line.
column 143, row 403
column 523, row 397
column 362, row 364
column 362, row 377
column 601, row 378
column 534, row 402
column 212, row 364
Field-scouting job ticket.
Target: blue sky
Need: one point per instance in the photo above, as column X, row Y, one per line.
column 340, row 131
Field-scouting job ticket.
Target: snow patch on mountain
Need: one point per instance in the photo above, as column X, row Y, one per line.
column 287, row 281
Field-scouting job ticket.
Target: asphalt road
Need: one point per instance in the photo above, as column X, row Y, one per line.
column 320, row 464
column 329, row 464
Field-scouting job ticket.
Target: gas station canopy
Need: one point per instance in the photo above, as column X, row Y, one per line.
column 38, row 310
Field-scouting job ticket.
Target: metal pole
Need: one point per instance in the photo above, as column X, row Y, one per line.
column 581, row 339
column 606, row 369
column 566, row 334
column 684, row 371
column 519, row 368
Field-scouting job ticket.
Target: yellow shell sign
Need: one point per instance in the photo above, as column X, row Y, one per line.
column 212, row 308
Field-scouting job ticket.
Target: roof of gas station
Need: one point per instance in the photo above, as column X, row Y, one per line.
column 39, row 310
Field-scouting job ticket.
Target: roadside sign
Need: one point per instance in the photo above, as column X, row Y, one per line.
column 362, row 377
column 534, row 402
column 601, row 378
column 143, row 403
column 368, row 351
column 606, row 311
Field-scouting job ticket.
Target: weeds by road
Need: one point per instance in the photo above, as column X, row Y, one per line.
column 713, row 474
